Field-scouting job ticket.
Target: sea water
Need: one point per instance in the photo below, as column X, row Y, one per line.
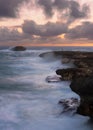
column 27, row 101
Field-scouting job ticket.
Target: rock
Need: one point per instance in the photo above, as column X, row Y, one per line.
column 81, row 81
column 19, row 48
column 72, row 73
column 66, row 74
column 53, row 78
column 84, row 63
column 83, row 86
column 65, row 60
column 81, row 76
column 71, row 54
column 86, row 106
column 69, row 105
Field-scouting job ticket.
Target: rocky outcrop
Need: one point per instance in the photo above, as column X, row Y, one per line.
column 69, row 105
column 66, row 74
column 53, row 79
column 81, row 79
column 81, row 76
column 83, row 63
column 70, row 54
column 72, row 73
column 83, row 86
column 19, row 48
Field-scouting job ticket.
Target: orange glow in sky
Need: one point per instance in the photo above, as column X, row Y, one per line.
column 35, row 13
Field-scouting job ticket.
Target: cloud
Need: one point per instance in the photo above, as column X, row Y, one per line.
column 84, row 31
column 33, row 33
column 76, row 11
column 47, row 30
column 70, row 8
column 47, row 7
column 7, row 35
column 13, row 37
column 9, row 8
column 61, row 4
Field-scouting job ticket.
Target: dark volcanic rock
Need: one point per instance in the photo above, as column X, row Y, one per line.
column 84, row 87
column 19, row 48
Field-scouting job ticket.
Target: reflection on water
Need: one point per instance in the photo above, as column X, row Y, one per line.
column 27, row 101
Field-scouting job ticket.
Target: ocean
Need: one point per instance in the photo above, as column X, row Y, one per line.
column 27, row 101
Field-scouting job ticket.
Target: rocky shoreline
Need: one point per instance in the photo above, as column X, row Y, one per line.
column 81, row 76
column 81, row 79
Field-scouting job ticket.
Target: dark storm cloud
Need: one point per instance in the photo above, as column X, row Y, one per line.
column 76, row 11
column 61, row 4
column 47, row 30
column 7, row 35
column 47, row 6
column 33, row 32
column 9, row 8
column 82, row 31
column 71, row 8
column 47, row 33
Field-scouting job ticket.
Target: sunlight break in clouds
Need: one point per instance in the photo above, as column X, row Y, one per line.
column 46, row 22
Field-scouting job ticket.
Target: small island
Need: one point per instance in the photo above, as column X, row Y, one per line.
column 19, row 48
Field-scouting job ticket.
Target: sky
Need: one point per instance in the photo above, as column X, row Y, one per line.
column 46, row 22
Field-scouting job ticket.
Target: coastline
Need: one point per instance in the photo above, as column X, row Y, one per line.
column 26, row 97
column 80, row 75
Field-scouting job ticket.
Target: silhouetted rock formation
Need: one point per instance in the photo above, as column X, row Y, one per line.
column 83, row 86
column 19, row 48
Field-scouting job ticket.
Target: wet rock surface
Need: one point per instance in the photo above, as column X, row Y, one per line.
column 54, row 78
